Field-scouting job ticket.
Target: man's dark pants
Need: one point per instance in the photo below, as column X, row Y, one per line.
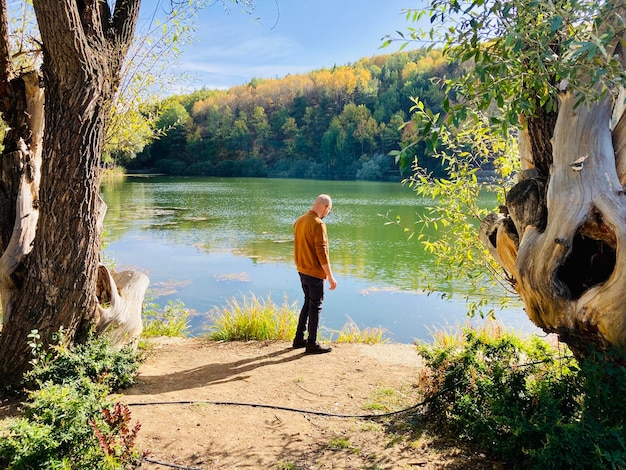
column 313, row 289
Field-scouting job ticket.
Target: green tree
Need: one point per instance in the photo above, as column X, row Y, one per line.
column 365, row 131
column 333, row 145
column 391, row 133
column 261, row 128
column 51, row 212
column 289, row 134
column 542, row 96
column 172, row 126
column 240, row 137
column 350, row 135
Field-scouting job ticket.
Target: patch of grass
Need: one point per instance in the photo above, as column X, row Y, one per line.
column 448, row 337
column 170, row 321
column 257, row 319
column 386, row 392
column 421, row 442
column 371, row 426
column 386, row 399
column 341, row 443
column 254, row 319
column 351, row 333
column 286, row 466
column 375, row 406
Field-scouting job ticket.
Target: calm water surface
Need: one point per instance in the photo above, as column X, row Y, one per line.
column 205, row 241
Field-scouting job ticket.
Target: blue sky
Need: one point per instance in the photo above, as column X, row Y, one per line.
column 289, row 37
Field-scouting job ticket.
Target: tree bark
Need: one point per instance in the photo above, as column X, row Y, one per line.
column 562, row 240
column 49, row 267
column 121, row 303
column 570, row 260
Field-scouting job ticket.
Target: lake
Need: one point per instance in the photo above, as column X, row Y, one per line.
column 205, row 241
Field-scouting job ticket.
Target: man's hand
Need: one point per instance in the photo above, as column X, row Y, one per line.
column 329, row 275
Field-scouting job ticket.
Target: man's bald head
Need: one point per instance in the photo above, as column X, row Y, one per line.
column 322, row 205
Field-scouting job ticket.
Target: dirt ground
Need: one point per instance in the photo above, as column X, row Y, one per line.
column 190, row 431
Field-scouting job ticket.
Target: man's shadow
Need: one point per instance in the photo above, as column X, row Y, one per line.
column 202, row 376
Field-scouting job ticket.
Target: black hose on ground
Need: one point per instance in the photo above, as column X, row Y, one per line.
column 283, row 408
column 171, row 465
column 298, row 410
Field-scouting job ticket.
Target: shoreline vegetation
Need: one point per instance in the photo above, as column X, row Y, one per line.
column 517, row 400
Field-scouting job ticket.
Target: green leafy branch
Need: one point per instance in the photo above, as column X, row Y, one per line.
column 458, row 199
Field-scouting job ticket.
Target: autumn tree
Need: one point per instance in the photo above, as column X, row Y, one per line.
column 288, row 124
column 542, row 97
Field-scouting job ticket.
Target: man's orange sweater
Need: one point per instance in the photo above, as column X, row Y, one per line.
column 310, row 245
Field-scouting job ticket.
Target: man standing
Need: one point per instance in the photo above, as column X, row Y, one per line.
column 312, row 261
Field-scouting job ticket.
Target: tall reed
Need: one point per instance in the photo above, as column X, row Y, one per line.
column 254, row 319
column 351, row 333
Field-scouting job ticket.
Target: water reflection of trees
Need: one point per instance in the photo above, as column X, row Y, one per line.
column 254, row 219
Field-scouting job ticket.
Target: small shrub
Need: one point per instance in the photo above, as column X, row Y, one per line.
column 592, row 434
column 55, row 431
column 524, row 402
column 69, row 412
column 254, row 319
column 115, row 435
column 28, row 445
column 172, row 321
column 94, row 359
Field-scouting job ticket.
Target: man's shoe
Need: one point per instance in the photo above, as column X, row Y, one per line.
column 299, row 343
column 315, row 348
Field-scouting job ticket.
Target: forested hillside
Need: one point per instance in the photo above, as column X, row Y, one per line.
column 336, row 123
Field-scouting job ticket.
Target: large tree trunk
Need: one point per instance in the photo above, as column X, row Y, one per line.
column 563, row 241
column 562, row 237
column 49, row 268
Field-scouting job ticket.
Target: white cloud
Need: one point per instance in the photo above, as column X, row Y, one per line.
column 253, row 49
column 291, row 37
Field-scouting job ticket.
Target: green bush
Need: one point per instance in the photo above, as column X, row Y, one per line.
column 594, row 436
column 55, row 428
column 69, row 420
column 525, row 403
column 95, row 360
